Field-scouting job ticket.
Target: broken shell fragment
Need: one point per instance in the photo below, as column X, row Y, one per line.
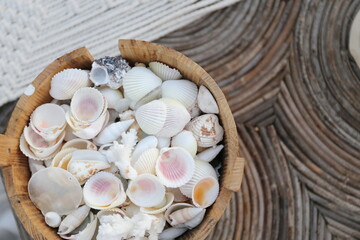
column 206, row 101
column 52, row 219
column 164, row 71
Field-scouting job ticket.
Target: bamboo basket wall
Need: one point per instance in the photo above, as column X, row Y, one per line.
column 14, row 165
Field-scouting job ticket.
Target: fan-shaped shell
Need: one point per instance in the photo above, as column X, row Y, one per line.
column 55, row 190
column 206, row 129
column 163, row 71
column 103, row 190
column 205, row 192
column 206, row 101
column 147, row 161
column 186, row 140
column 174, row 167
column 139, row 81
column 209, row 154
column 73, row 220
column 202, row 169
column 145, row 144
column 169, row 199
column 146, row 191
column 65, row 83
column 184, row 91
column 151, row 116
column 112, row 132
column 176, row 118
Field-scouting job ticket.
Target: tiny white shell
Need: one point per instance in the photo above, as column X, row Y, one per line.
column 205, row 192
column 112, row 132
column 65, row 83
column 145, row 144
column 184, row 91
column 52, row 219
column 206, row 101
column 139, row 81
column 186, row 140
column 87, row 233
column 184, row 215
column 147, row 161
column 209, row 154
column 151, row 116
column 169, row 199
column 73, row 220
column 164, row 71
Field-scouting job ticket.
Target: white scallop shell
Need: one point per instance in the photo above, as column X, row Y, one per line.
column 202, row 169
column 146, row 191
column 206, row 129
column 79, row 144
column 174, row 167
column 147, row 161
column 86, row 233
column 86, row 163
column 209, row 154
column 48, row 120
column 143, row 145
column 73, row 220
column 139, row 81
column 151, row 116
column 55, row 190
column 184, row 91
column 176, row 118
column 65, row 83
column 206, row 101
column 205, row 192
column 52, row 219
column 163, row 142
column 112, row 132
column 164, row 71
column 169, row 199
column 103, row 190
column 186, row 140
column 115, row 99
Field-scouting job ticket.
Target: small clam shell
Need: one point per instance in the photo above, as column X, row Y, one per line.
column 178, row 196
column 35, row 165
column 172, row 233
column 184, row 91
column 80, row 144
column 169, row 199
column 147, row 161
column 164, row 71
column 186, row 140
column 163, row 142
column 206, row 129
column 145, row 144
column 139, row 81
column 55, row 190
column 146, row 191
column 65, row 83
column 85, row 233
column 73, row 220
column 209, row 154
column 85, row 163
column 206, row 101
column 115, row 99
column 176, row 118
column 52, row 219
column 205, row 192
column 48, row 120
column 202, row 169
column 103, row 190
column 174, row 167
column 182, row 216
column 151, row 116
column 112, row 132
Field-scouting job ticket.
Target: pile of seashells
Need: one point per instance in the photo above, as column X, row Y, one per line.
column 123, row 152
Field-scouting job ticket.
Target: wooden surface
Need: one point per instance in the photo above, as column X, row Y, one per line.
column 293, row 87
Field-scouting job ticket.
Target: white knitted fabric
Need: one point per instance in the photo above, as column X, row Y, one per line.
column 35, row 32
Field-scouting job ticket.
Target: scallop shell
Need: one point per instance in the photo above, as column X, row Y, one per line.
column 145, row 144
column 103, row 190
column 115, row 99
column 186, row 140
column 169, row 199
column 55, row 190
column 164, row 71
column 206, row 101
column 202, row 169
column 112, row 132
column 139, row 81
column 209, row 154
column 184, row 91
column 147, row 161
column 172, row 233
column 206, row 129
column 85, row 163
column 174, row 167
column 65, row 83
column 73, row 220
column 205, row 192
column 52, row 219
column 146, row 191
column 85, row 233
column 80, row 144
column 176, row 118
column 48, row 120
column 163, row 142
column 151, row 116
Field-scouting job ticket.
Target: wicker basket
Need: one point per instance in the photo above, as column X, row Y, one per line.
column 14, row 164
